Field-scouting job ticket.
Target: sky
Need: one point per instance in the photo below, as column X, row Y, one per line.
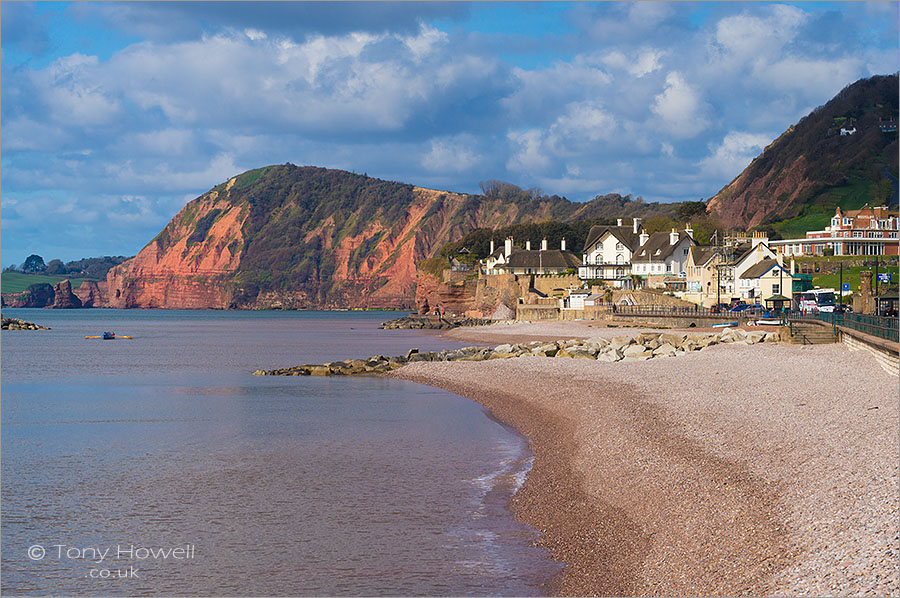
column 114, row 115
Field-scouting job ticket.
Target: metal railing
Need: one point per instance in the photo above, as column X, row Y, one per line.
column 670, row 311
column 880, row 326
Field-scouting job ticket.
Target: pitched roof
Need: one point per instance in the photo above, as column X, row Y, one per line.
column 551, row 258
column 658, row 246
column 625, row 235
column 703, row 254
column 759, row 269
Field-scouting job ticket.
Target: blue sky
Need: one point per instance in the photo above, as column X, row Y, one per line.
column 114, row 115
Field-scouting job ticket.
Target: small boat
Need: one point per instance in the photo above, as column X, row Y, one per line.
column 108, row 336
column 725, row 325
column 769, row 322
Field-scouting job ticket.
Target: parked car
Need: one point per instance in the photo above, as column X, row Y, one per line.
column 744, row 306
column 843, row 308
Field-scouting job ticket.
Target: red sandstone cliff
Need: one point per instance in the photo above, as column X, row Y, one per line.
column 303, row 237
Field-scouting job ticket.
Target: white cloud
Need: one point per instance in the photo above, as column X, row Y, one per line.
column 680, row 107
column 528, row 156
column 580, row 128
column 733, row 154
column 74, row 93
column 451, row 155
column 750, row 37
column 646, row 61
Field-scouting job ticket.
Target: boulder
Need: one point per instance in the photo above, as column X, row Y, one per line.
column 665, row 350
column 610, row 355
column 673, row 338
column 620, row 342
column 635, row 350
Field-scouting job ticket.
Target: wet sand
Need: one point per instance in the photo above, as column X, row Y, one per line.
column 765, row 469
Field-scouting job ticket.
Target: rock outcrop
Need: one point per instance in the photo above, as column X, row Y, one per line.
column 37, row 295
column 91, row 293
column 17, row 324
column 63, row 297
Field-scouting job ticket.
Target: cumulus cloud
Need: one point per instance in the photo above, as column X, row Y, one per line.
column 451, row 155
column 407, row 91
column 680, row 107
column 734, row 153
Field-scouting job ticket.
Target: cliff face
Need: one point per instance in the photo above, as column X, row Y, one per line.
column 304, row 237
column 812, row 166
column 188, row 265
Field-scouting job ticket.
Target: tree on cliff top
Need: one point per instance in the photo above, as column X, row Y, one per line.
column 34, row 263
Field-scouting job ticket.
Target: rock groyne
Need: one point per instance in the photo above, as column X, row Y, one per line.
column 647, row 345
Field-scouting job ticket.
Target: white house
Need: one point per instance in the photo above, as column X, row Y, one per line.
column 662, row 254
column 608, row 251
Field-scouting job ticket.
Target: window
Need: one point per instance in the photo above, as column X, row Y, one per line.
column 776, row 289
column 668, row 267
column 619, row 247
column 685, row 252
column 620, row 259
column 857, row 233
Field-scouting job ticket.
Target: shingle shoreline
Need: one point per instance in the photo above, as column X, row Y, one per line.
column 733, row 470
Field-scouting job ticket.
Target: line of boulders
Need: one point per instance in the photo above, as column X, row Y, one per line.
column 647, row 345
column 418, row 322
column 17, row 324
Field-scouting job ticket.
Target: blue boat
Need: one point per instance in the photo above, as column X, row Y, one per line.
column 725, row 325
column 109, row 336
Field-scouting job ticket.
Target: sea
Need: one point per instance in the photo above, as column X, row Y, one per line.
column 160, row 466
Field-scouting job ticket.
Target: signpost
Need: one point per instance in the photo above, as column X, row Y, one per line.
column 884, row 277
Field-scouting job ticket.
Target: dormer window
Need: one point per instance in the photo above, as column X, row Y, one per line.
column 657, row 252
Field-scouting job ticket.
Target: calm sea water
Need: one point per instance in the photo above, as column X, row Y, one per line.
column 159, row 465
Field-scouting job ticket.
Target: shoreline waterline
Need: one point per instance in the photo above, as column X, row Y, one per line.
column 630, row 470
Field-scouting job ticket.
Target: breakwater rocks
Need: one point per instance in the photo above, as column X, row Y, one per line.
column 433, row 323
column 647, row 345
column 17, row 324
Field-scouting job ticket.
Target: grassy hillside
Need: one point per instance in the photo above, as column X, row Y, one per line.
column 16, row 282
column 798, row 180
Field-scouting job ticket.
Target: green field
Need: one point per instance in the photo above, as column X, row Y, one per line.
column 16, row 282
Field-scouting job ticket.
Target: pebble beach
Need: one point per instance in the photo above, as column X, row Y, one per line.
column 768, row 469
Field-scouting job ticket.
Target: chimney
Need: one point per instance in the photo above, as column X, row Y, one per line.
column 618, row 222
column 643, row 238
column 689, row 230
column 492, row 247
column 562, row 244
column 673, row 237
column 636, row 225
column 544, row 244
column 793, row 268
column 507, row 247
column 760, row 237
column 527, row 245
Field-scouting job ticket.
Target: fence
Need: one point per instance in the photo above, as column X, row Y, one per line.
column 880, row 326
column 670, row 311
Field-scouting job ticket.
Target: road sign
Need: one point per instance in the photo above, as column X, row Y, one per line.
column 886, row 277
column 846, row 286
